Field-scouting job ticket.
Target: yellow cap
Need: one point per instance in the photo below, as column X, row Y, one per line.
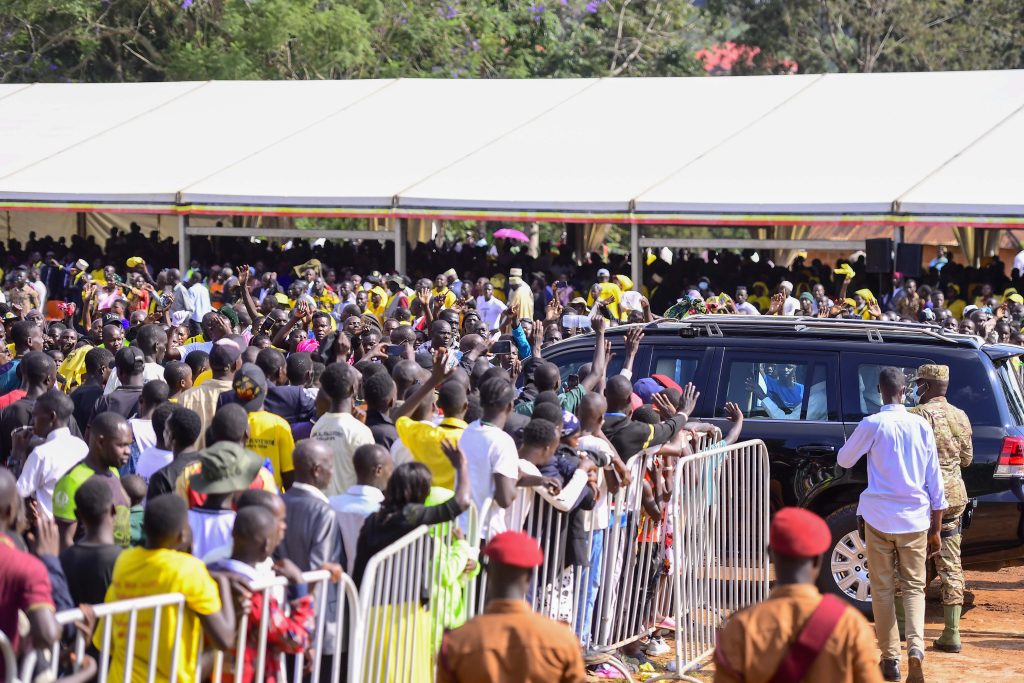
column 135, row 261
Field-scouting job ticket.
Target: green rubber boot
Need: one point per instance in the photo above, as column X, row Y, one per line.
column 901, row 617
column 949, row 641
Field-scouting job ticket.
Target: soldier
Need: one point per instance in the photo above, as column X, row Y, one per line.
column 953, row 442
column 797, row 634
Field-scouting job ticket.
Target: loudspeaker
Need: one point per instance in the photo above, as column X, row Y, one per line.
column 879, row 252
column 908, row 259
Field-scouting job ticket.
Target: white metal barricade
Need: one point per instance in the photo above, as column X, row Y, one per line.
column 412, row 591
column 720, row 515
column 334, row 604
column 141, row 621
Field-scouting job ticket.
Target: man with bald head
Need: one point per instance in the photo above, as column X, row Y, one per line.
column 110, row 443
column 313, row 533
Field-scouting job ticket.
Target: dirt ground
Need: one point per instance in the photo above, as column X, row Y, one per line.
column 991, row 629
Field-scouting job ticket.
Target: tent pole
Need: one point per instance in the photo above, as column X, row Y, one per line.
column 634, row 255
column 183, row 255
column 400, row 232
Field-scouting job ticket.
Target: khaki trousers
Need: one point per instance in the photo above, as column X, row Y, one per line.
column 887, row 554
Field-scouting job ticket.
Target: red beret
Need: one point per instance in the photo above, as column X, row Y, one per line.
column 667, row 382
column 515, row 549
column 796, row 532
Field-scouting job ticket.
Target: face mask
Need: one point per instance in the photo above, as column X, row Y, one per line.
column 914, row 395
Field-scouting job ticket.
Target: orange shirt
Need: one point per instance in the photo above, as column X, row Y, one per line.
column 510, row 643
column 754, row 641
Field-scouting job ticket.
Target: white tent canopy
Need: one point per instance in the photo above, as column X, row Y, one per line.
column 840, row 147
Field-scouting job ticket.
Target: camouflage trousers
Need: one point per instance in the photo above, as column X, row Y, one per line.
column 947, row 563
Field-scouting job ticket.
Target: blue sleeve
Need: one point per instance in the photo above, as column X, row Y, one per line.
column 522, row 345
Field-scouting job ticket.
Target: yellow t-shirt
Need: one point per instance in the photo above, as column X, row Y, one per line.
column 270, row 437
column 140, row 572
column 446, row 294
column 608, row 290
column 73, row 367
column 423, row 439
column 203, row 376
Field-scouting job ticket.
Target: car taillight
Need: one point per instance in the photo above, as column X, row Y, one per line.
column 1011, row 458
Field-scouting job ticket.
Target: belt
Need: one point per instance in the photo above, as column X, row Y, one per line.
column 949, row 533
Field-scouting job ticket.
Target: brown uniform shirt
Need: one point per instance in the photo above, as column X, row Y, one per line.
column 754, row 641
column 509, row 643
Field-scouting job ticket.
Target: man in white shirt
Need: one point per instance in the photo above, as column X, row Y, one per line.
column 338, row 428
column 902, row 511
column 491, row 455
column 56, row 451
column 790, row 306
column 373, row 465
column 489, row 307
column 744, row 307
column 201, row 304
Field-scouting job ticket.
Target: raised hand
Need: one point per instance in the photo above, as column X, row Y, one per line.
column 733, row 412
column 453, row 452
column 633, row 338
column 663, row 405
column 243, row 275
column 689, row 399
column 778, row 300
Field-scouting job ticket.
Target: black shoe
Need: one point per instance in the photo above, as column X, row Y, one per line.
column 890, row 669
column 915, row 664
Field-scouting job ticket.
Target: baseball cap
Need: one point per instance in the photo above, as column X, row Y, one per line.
column 514, row 549
column 603, row 272
column 223, row 356
column 667, row 382
column 570, row 423
column 645, row 388
column 129, row 359
column 250, row 387
column 796, row 532
column 227, row 467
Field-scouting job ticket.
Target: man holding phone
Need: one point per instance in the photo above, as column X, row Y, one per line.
column 902, row 510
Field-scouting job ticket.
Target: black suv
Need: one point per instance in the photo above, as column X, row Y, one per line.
column 736, row 358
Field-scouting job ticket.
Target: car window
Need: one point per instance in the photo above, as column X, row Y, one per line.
column 1010, row 381
column 779, row 387
column 570, row 364
column 976, row 398
column 679, row 366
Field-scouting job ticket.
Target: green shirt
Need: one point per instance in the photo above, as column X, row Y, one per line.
column 570, row 401
column 64, row 499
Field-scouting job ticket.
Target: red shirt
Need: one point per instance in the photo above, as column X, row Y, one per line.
column 24, row 586
column 12, row 396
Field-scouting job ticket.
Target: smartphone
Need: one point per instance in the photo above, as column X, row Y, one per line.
column 396, row 349
column 576, row 322
column 452, row 359
column 500, row 348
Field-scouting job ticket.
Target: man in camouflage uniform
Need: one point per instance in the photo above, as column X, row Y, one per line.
column 953, row 442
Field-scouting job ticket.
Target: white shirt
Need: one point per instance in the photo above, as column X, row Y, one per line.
column 747, row 308
column 599, row 516
column 150, row 372
column 142, row 430
column 489, row 451
column 630, row 301
column 200, row 301
column 490, row 311
column 1018, row 261
column 563, row 502
column 211, row 529
column 791, row 306
column 904, row 481
column 312, row 490
column 344, row 434
column 352, row 509
column 47, row 463
column 152, row 459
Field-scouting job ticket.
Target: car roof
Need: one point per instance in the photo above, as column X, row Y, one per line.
column 803, row 328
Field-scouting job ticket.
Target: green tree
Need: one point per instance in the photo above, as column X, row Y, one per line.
column 145, row 40
column 877, row 35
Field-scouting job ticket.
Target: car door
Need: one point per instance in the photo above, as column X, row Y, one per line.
column 790, row 401
column 682, row 365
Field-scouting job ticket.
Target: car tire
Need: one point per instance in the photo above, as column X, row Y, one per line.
column 844, row 571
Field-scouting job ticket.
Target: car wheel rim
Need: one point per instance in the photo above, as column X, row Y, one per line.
column 849, row 565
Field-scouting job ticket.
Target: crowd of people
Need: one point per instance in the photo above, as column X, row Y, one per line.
column 279, row 412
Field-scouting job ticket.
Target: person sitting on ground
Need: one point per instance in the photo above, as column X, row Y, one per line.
column 163, row 566
column 373, row 465
column 509, row 642
column 89, row 563
column 835, row 640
